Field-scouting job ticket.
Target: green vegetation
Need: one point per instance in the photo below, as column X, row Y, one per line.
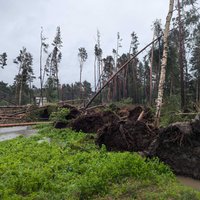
column 60, row 115
column 42, row 113
column 69, row 166
column 171, row 111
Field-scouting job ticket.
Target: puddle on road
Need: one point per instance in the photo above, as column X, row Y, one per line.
column 195, row 184
column 13, row 132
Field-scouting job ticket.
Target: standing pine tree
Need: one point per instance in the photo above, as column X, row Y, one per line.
column 3, row 59
column 56, row 57
column 82, row 54
column 43, row 48
column 25, row 74
column 97, row 64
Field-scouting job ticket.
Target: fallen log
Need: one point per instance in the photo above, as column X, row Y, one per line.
column 23, row 124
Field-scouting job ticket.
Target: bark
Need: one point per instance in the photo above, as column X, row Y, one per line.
column 163, row 65
column 41, row 80
column 150, row 71
column 81, row 68
column 95, row 84
column 20, row 92
column 181, row 57
column 125, row 83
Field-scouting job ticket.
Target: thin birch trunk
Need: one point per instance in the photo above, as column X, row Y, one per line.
column 163, row 65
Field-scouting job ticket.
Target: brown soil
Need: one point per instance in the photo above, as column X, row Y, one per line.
column 127, row 135
column 91, row 123
column 178, row 145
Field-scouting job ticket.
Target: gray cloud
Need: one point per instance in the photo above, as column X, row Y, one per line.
column 21, row 22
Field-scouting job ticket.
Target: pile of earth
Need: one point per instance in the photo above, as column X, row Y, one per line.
column 92, row 122
column 135, row 133
column 119, row 130
column 178, row 145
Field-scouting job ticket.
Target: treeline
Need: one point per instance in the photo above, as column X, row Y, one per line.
column 66, row 92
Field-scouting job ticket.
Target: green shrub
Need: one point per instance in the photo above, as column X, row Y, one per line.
column 170, row 110
column 60, row 115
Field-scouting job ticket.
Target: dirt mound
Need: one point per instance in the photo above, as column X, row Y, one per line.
column 178, row 145
column 134, row 113
column 128, row 135
column 125, row 136
column 91, row 123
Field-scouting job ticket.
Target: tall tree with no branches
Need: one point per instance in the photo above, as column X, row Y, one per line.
column 163, row 64
column 43, row 48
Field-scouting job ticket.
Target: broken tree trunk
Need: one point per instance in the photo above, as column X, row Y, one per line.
column 163, row 65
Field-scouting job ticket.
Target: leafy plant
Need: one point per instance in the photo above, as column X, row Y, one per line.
column 60, row 115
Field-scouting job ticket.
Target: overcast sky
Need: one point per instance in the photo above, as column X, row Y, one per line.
column 21, row 21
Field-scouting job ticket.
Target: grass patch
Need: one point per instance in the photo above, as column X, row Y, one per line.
column 70, row 166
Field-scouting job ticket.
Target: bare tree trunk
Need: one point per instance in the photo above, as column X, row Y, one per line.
column 181, row 57
column 158, row 71
column 125, row 83
column 95, row 84
column 41, row 80
column 163, row 65
column 20, row 93
column 57, row 83
column 171, row 83
column 81, row 67
column 150, row 71
column 197, row 91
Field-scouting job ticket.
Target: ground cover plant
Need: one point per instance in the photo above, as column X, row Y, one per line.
column 63, row 164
